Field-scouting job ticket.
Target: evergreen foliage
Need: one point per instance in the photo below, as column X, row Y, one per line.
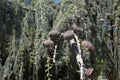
column 25, row 26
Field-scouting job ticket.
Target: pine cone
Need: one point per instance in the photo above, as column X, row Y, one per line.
column 68, row 34
column 88, row 45
column 54, row 33
column 48, row 43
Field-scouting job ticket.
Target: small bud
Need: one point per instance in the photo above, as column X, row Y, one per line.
column 101, row 20
column 48, row 43
column 89, row 72
column 76, row 28
column 108, row 15
column 88, row 45
column 68, row 34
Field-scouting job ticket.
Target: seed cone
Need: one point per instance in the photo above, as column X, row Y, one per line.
column 68, row 34
column 76, row 28
column 88, row 45
column 54, row 33
column 48, row 43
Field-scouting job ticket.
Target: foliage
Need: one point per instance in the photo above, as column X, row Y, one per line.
column 24, row 27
